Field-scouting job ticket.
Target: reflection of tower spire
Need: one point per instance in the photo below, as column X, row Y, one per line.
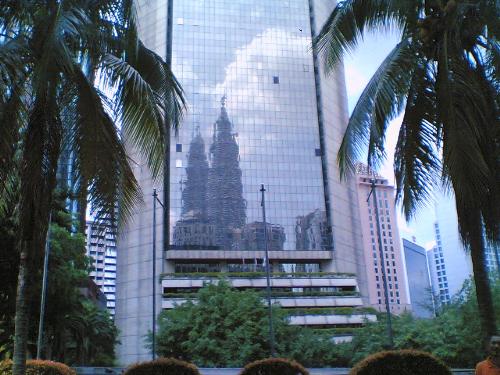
column 194, row 195
column 226, row 206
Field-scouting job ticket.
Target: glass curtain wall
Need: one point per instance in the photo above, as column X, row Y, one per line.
column 247, row 70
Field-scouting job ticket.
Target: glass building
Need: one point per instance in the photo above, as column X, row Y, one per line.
column 260, row 110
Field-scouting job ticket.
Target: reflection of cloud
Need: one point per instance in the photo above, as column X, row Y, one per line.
column 184, row 70
column 248, row 74
column 253, row 99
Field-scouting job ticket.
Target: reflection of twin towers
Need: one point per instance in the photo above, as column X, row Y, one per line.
column 213, row 209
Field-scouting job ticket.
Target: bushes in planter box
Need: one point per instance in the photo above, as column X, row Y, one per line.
column 162, row 366
column 400, row 362
column 38, row 367
column 274, row 366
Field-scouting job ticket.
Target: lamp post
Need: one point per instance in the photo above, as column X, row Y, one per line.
column 382, row 265
column 44, row 292
column 155, row 199
column 268, row 273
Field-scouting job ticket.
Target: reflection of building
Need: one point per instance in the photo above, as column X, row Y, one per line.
column 289, row 119
column 391, row 249
column 194, row 233
column 193, row 229
column 252, row 237
column 419, row 284
column 313, row 232
column 100, row 241
column 194, row 195
column 226, row 206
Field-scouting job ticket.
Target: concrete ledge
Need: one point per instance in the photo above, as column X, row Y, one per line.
column 239, row 282
column 312, row 320
column 169, row 303
column 285, row 255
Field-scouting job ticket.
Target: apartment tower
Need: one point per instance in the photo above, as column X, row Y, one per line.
column 382, row 253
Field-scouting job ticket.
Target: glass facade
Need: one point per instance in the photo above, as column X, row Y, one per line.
column 247, row 70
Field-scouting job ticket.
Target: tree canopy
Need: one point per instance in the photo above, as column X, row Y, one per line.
column 444, row 76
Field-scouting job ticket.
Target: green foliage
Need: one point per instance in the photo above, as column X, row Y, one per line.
column 454, row 336
column 400, row 362
column 222, row 319
column 444, row 76
column 274, row 366
column 38, row 367
column 162, row 366
column 207, row 332
column 76, row 331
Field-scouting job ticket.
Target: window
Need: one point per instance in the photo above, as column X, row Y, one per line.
column 178, row 147
column 178, row 163
column 276, row 80
column 317, row 151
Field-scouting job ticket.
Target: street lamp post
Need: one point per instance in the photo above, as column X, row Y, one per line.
column 382, row 265
column 44, row 292
column 155, row 199
column 268, row 273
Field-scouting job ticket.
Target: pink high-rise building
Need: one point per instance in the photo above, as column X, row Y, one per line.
column 390, row 241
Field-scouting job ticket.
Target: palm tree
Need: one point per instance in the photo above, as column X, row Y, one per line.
column 52, row 53
column 444, row 74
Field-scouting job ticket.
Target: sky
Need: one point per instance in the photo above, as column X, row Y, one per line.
column 359, row 68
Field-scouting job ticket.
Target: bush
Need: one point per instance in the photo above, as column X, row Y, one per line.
column 274, row 366
column 400, row 362
column 162, row 366
column 38, row 367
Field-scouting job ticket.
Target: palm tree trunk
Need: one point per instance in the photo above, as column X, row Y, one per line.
column 21, row 318
column 482, row 283
column 38, row 177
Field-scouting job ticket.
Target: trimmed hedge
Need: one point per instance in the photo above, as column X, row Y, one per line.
column 38, row 367
column 400, row 362
column 274, row 366
column 162, row 366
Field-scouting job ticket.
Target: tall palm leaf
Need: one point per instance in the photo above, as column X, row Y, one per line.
column 51, row 54
column 444, row 75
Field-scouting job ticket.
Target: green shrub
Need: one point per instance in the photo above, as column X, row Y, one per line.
column 274, row 366
column 400, row 362
column 162, row 366
column 38, row 367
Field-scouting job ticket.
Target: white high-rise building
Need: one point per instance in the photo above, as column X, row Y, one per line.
column 100, row 243
column 449, row 261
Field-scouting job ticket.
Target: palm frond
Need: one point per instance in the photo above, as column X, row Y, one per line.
column 381, row 101
column 101, row 156
column 470, row 160
column 143, row 102
column 416, row 162
column 349, row 22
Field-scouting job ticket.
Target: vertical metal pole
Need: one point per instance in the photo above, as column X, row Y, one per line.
column 268, row 273
column 382, row 267
column 44, row 291
column 167, row 131
column 153, row 354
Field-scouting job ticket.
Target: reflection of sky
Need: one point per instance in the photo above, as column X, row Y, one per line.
column 359, row 68
column 236, row 50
